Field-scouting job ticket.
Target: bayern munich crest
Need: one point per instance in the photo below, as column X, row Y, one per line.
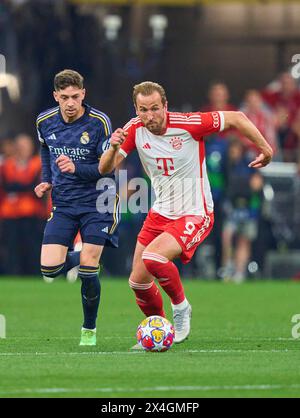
column 176, row 142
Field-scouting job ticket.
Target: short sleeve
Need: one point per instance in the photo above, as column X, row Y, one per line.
column 211, row 122
column 40, row 136
column 129, row 144
column 198, row 124
column 105, row 134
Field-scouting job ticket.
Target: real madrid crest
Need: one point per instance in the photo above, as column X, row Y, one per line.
column 85, row 139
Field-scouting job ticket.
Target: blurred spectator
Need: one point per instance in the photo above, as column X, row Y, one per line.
column 216, row 161
column 218, row 99
column 265, row 121
column 285, row 94
column 21, row 211
column 7, row 149
column 216, row 156
column 284, row 99
column 291, row 151
column 8, row 41
column 243, row 208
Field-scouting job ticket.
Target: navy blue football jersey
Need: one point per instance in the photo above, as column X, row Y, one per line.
column 84, row 141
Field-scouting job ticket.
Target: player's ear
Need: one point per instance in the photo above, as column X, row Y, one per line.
column 55, row 95
column 83, row 93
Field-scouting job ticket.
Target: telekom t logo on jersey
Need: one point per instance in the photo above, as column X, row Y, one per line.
column 167, row 165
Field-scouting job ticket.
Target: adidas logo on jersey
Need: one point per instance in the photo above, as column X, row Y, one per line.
column 183, row 239
column 105, row 229
column 52, row 136
column 147, row 146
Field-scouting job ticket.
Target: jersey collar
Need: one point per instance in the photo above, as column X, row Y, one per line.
column 79, row 120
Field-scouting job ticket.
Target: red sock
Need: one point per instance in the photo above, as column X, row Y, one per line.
column 167, row 274
column 148, row 298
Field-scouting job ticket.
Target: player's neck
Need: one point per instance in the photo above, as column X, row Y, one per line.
column 73, row 118
column 164, row 125
column 163, row 128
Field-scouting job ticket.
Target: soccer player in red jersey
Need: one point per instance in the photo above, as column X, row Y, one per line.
column 172, row 151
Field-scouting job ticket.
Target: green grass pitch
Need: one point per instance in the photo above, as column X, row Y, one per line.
column 240, row 344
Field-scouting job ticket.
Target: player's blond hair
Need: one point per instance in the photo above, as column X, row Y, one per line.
column 67, row 78
column 147, row 88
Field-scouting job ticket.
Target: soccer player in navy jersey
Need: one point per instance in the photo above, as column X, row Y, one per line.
column 73, row 137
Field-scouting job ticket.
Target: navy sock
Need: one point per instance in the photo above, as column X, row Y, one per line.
column 90, row 295
column 72, row 260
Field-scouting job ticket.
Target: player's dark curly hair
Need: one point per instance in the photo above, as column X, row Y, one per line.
column 67, row 78
column 147, row 88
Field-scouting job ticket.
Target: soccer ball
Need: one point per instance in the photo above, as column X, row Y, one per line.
column 155, row 333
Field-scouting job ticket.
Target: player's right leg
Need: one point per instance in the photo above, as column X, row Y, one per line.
column 147, row 294
column 157, row 258
column 53, row 258
column 59, row 235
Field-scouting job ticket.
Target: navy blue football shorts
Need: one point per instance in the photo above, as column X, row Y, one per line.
column 95, row 228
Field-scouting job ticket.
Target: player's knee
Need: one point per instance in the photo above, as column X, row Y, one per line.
column 152, row 261
column 139, row 279
column 89, row 258
column 149, row 264
column 137, row 284
column 52, row 271
column 132, row 281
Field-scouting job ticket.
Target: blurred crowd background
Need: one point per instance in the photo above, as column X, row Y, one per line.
column 208, row 56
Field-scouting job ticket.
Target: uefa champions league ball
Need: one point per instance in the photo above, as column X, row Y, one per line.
column 155, row 333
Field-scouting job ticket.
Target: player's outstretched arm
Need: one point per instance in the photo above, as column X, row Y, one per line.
column 112, row 158
column 239, row 121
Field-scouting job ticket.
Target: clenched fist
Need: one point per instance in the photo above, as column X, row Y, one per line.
column 65, row 164
column 42, row 188
column 117, row 138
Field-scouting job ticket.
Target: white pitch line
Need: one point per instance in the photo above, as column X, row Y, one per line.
column 243, row 339
column 67, row 338
column 95, row 353
column 148, row 389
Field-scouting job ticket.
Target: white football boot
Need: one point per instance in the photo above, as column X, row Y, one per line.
column 136, row 347
column 72, row 274
column 182, row 322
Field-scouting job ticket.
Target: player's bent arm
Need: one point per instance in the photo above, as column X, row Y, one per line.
column 87, row 171
column 110, row 160
column 239, row 121
column 112, row 157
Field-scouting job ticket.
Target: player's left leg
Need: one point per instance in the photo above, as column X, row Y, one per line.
column 59, row 234
column 90, row 290
column 247, row 234
column 147, row 294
